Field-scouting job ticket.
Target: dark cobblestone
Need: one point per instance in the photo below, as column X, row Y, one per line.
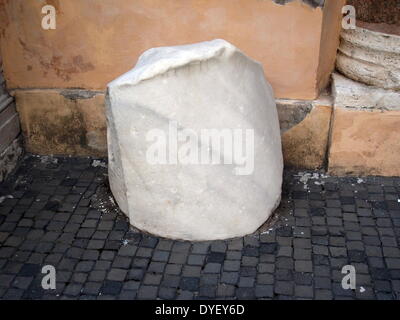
column 54, row 218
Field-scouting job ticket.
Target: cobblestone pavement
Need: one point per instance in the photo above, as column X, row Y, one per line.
column 52, row 213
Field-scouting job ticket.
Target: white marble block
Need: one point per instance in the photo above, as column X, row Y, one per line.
column 194, row 142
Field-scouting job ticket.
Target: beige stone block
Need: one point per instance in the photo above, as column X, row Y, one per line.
column 365, row 143
column 68, row 122
column 305, row 145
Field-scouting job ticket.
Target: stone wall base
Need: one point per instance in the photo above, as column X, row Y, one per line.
column 305, row 132
column 314, row 133
column 9, row 158
column 62, row 122
column 365, row 142
column 365, row 137
column 72, row 122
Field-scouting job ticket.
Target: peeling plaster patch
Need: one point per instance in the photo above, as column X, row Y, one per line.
column 292, row 112
column 305, row 144
column 63, row 69
column 75, row 94
column 312, row 3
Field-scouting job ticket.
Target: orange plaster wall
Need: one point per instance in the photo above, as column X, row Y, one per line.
column 331, row 27
column 96, row 41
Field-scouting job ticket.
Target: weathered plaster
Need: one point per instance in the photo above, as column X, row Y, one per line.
column 305, row 145
column 73, row 122
column 96, row 41
column 312, row 3
column 292, row 112
column 73, row 94
column 55, row 124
